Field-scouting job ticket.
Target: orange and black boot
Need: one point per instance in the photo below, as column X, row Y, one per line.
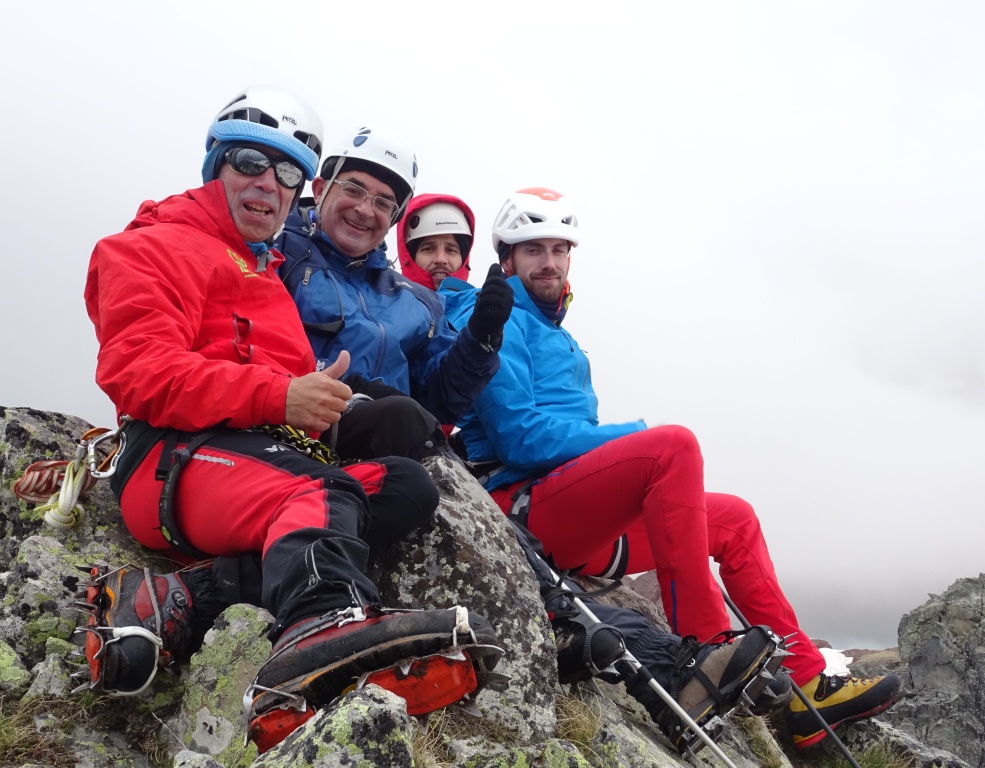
column 139, row 621
column 430, row 658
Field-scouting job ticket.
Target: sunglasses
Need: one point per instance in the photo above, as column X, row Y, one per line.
column 253, row 162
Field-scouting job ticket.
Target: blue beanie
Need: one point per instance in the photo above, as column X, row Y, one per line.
column 227, row 133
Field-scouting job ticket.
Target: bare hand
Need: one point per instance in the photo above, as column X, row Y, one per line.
column 317, row 400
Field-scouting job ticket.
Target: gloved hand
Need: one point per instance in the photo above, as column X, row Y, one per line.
column 492, row 308
column 374, row 389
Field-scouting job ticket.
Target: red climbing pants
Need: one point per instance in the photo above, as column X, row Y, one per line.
column 638, row 503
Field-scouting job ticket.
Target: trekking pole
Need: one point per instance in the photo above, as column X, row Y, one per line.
column 796, row 689
column 628, row 659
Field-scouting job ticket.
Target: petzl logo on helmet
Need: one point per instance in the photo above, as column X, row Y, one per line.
column 289, row 119
column 388, row 153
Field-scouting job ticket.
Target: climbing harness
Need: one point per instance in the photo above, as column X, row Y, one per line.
column 315, row 449
column 174, row 460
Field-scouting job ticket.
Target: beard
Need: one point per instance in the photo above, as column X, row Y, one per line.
column 549, row 293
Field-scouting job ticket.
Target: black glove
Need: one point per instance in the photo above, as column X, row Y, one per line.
column 373, row 389
column 492, row 308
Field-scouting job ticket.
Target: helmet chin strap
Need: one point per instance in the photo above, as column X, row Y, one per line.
column 321, row 198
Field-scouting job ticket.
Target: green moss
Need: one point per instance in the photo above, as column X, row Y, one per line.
column 40, row 629
column 59, row 647
column 341, row 728
column 607, row 752
column 556, row 756
column 517, row 758
column 162, row 696
column 12, row 674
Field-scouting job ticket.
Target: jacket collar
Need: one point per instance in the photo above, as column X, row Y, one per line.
column 376, row 259
column 302, row 220
column 524, row 300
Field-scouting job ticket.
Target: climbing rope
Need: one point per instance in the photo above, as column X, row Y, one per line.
column 56, row 485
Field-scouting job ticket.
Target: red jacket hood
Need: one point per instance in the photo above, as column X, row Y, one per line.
column 408, row 266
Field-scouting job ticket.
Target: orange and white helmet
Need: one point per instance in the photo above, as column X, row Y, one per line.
column 533, row 213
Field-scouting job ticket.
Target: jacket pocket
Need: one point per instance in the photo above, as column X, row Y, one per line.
column 319, row 302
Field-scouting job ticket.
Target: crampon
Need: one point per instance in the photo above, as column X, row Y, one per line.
column 712, row 680
column 429, row 658
column 139, row 622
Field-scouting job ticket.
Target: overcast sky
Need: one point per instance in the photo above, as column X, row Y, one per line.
column 783, row 206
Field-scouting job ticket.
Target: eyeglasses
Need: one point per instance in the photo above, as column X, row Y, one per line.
column 253, row 162
column 357, row 194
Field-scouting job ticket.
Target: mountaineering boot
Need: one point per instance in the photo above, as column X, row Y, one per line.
column 430, row 658
column 710, row 680
column 839, row 699
column 584, row 647
column 138, row 621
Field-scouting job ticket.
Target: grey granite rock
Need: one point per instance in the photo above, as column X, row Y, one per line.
column 467, row 556
column 943, row 645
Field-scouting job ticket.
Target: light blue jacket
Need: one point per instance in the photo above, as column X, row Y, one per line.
column 540, row 409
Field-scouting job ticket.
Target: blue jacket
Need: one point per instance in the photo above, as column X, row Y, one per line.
column 540, row 409
column 395, row 330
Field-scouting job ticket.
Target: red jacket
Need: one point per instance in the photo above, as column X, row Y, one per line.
column 191, row 333
column 408, row 266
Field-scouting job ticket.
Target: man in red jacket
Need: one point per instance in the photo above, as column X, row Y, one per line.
column 204, row 356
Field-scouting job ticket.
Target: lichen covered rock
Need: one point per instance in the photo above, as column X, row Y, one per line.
column 943, row 645
column 467, row 556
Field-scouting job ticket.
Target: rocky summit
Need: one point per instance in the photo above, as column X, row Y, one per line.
column 467, row 556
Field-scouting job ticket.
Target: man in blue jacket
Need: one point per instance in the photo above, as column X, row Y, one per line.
column 611, row 499
column 337, row 271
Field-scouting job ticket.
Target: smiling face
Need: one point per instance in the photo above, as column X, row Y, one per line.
column 439, row 256
column 356, row 227
column 541, row 265
column 258, row 204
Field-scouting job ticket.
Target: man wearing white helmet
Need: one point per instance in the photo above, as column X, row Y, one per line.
column 434, row 239
column 201, row 351
column 415, row 370
column 611, row 499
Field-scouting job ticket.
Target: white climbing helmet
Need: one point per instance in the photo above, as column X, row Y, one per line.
column 437, row 219
column 380, row 155
column 533, row 213
column 270, row 116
